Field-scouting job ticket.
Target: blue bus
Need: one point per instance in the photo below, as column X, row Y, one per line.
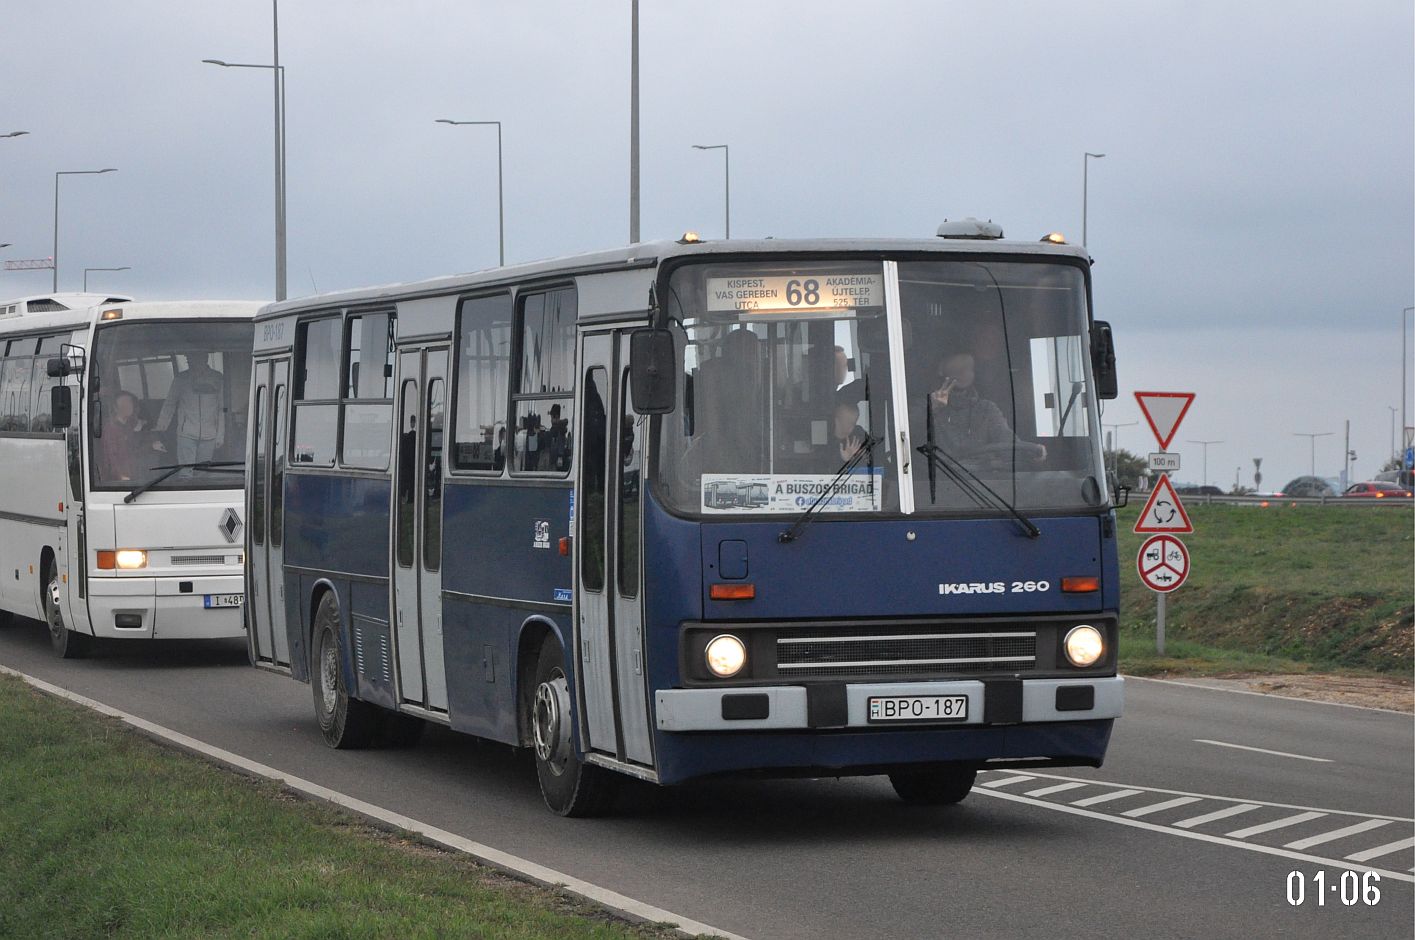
column 691, row 508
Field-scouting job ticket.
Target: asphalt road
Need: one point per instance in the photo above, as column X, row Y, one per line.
column 844, row 858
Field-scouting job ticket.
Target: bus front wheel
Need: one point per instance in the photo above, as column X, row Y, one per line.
column 569, row 786
column 345, row 722
column 67, row 644
column 934, row 784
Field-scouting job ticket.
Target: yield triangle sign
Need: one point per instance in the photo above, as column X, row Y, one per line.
column 1164, row 411
column 1163, row 511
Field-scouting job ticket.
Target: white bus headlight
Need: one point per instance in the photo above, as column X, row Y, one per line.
column 726, row 655
column 1084, row 645
column 131, row 558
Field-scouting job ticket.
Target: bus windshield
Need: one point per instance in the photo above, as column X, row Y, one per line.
column 787, row 375
column 169, row 398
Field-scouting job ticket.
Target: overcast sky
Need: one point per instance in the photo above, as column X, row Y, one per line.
column 1253, row 221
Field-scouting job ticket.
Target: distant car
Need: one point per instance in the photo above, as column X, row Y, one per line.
column 1376, row 489
column 1191, row 489
column 1309, row 486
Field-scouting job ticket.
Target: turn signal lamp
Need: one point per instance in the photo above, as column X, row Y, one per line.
column 1084, row 645
column 726, row 655
column 1080, row 585
column 111, row 315
column 732, row 592
column 126, row 558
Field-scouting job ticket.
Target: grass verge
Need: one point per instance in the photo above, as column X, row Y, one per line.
column 1282, row 589
column 104, row 833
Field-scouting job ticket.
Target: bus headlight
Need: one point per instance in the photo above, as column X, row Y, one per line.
column 726, row 655
column 1084, row 645
column 130, row 558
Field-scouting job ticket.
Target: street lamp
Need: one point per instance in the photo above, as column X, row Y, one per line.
column 726, row 183
column 14, row 134
column 1404, row 422
column 633, row 122
column 56, row 211
column 279, row 161
column 1085, row 189
column 1206, row 457
column 86, row 270
column 1115, row 441
column 1312, row 439
column 500, row 200
column 1394, row 454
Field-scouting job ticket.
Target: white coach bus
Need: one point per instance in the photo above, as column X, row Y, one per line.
column 122, row 454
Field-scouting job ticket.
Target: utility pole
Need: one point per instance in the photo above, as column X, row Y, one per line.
column 634, row 122
column 1348, row 457
column 1206, row 457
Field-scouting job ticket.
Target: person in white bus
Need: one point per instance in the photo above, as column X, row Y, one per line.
column 197, row 400
column 119, row 452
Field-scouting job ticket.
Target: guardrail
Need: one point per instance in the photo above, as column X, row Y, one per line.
column 1270, row 501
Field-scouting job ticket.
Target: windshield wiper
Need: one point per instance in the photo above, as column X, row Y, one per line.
column 969, row 483
column 868, row 447
column 173, row 468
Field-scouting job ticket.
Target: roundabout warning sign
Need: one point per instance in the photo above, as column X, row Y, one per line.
column 1163, row 563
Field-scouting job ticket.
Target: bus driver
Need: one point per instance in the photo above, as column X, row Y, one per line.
column 197, row 398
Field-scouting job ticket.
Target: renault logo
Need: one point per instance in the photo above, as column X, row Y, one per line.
column 230, row 525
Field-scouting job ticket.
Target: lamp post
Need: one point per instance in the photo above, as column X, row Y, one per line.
column 1404, row 396
column 1115, row 442
column 1206, row 457
column 1085, row 189
column 279, row 71
column 1312, row 439
column 14, row 134
column 86, row 270
column 726, row 184
column 500, row 200
column 1394, row 454
column 633, row 121
column 56, row 211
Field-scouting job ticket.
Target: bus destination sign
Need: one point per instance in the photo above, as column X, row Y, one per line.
column 799, row 294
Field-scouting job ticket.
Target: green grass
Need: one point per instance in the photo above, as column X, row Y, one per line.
column 104, row 833
column 1278, row 589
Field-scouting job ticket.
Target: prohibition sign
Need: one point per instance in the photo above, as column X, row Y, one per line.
column 1163, row 563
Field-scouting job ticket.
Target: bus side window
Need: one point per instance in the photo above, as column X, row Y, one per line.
column 15, row 385
column 544, row 407
column 42, row 383
column 257, row 484
column 480, row 440
column 316, row 424
column 596, row 485
column 631, row 461
column 407, row 471
column 277, row 476
column 432, row 469
column 367, row 415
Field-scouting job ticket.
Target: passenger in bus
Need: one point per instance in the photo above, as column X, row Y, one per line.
column 120, row 448
column 498, row 456
column 197, row 400
column 965, row 424
column 557, row 441
column 847, row 434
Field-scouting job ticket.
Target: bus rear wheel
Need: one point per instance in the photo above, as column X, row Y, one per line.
column 67, row 644
column 569, row 786
column 345, row 722
column 934, row 784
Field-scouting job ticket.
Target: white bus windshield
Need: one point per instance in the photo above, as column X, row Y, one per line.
column 787, row 374
column 169, row 398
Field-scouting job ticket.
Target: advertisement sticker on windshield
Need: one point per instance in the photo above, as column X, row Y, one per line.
column 795, row 492
column 798, row 294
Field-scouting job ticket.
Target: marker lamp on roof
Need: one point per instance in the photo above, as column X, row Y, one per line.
column 689, row 238
column 1054, row 238
column 111, row 315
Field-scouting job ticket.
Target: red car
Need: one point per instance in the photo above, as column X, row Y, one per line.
column 1376, row 489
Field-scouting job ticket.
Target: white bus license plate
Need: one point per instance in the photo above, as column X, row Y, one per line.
column 223, row 600
column 919, row 708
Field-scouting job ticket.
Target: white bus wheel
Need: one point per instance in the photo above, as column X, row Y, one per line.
column 67, row 644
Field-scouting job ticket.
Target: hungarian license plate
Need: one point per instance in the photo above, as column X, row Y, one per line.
column 918, row 708
column 211, row 601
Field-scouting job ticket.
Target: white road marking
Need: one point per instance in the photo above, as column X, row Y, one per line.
column 1262, row 750
column 1275, row 824
column 1266, row 695
column 1007, row 781
column 1159, row 807
column 1335, row 834
column 1224, row 813
column 1388, row 849
column 1105, row 797
column 505, row 861
column 1055, row 788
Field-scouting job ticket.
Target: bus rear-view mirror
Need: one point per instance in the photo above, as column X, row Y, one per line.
column 61, row 404
column 58, row 367
column 1103, row 360
column 651, row 371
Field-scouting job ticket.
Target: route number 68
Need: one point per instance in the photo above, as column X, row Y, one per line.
column 808, row 290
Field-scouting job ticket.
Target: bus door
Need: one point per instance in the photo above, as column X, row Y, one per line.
column 417, row 528
column 265, row 469
column 610, row 638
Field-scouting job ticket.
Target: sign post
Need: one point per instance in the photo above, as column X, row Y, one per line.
column 1163, row 561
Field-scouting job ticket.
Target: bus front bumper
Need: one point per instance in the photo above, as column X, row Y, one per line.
column 785, row 708
column 166, row 608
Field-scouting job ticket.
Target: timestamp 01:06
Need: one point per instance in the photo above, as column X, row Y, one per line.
column 1350, row 888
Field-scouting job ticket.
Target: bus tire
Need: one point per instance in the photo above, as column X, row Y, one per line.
column 569, row 786
column 344, row 721
column 934, row 784
column 67, row 643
